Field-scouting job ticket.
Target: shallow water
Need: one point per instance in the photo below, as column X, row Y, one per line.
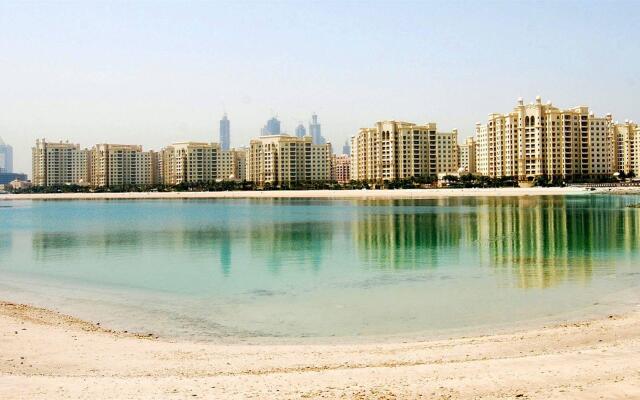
column 237, row 269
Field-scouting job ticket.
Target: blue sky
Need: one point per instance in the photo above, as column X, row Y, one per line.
column 158, row 72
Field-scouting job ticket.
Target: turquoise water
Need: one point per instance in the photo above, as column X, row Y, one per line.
column 246, row 269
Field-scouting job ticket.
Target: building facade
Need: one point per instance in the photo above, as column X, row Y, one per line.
column 60, row 163
column 396, row 150
column 190, row 162
column 232, row 165
column 340, row 168
column 542, row 140
column 624, row 147
column 120, row 164
column 467, row 154
column 282, row 159
column 6, row 157
column 225, row 133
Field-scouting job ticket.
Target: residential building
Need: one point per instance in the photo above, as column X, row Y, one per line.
column 232, row 165
column 122, row 164
column 340, row 168
column 272, row 127
column 190, row 162
column 6, row 157
column 542, row 140
column 282, row 159
column 60, row 163
column 394, row 150
column 467, row 155
column 225, row 133
column 315, row 130
column 623, row 139
column 301, row 131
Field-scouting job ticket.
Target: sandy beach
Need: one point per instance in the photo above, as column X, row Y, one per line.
column 323, row 194
column 46, row 355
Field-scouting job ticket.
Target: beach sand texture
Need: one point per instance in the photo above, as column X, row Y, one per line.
column 46, row 355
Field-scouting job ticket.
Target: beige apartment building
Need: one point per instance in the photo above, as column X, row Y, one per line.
column 232, row 165
column 281, row 159
column 59, row 163
column 340, row 168
column 394, row 149
column 624, row 147
column 467, row 155
column 122, row 164
column 189, row 162
column 539, row 139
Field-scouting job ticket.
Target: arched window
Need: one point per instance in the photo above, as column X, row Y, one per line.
column 533, row 120
column 526, row 121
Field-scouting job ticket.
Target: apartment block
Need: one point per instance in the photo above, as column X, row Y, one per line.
column 59, row 163
column 121, row 164
column 624, row 140
column 394, row 149
column 282, row 158
column 190, row 162
column 467, row 155
column 232, row 165
column 542, row 140
column 340, row 168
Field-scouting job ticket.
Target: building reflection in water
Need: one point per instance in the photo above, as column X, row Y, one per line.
column 532, row 242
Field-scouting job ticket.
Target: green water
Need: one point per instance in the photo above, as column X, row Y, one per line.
column 246, row 269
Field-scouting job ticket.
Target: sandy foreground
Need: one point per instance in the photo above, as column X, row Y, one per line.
column 45, row 355
column 322, row 194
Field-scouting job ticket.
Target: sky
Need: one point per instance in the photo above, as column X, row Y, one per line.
column 158, row 72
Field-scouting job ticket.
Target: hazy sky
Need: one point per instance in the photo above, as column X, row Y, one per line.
column 158, row 72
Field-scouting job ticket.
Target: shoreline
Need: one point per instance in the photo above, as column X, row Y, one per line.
column 378, row 194
column 50, row 355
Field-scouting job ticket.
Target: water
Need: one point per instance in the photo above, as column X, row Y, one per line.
column 287, row 269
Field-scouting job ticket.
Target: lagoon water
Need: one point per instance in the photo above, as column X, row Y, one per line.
column 247, row 269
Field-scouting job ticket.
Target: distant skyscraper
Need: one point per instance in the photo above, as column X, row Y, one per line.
column 315, row 130
column 272, row 127
column 6, row 157
column 346, row 148
column 301, row 131
column 225, row 133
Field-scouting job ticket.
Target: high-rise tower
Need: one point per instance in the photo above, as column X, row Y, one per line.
column 315, row 130
column 272, row 127
column 6, row 157
column 301, row 131
column 225, row 133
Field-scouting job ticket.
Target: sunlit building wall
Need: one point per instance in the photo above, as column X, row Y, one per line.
column 60, row 163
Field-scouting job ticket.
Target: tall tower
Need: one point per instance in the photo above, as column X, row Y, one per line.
column 346, row 148
column 272, row 127
column 6, row 157
column 315, row 130
column 225, row 133
column 301, row 131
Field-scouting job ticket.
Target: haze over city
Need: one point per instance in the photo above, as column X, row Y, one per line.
column 156, row 73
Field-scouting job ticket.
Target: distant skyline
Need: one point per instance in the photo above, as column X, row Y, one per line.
column 153, row 73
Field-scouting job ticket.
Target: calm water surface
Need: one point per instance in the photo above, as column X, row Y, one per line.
column 238, row 269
